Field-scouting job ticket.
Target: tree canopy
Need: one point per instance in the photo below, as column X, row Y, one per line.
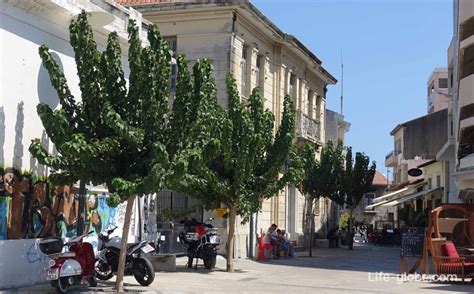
column 245, row 164
column 124, row 136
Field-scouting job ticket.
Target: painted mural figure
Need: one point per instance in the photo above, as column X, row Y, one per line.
column 30, row 209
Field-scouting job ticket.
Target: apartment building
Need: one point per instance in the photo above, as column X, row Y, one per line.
column 241, row 40
column 461, row 90
column 437, row 90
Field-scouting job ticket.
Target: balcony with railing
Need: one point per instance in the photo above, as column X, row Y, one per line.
column 391, row 159
column 307, row 128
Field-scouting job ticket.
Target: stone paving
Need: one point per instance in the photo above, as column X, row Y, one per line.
column 328, row 271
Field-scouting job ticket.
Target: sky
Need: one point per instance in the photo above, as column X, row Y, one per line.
column 389, row 49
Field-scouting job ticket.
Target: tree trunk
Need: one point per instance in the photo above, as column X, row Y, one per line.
column 230, row 238
column 82, row 208
column 311, row 229
column 351, row 233
column 123, row 245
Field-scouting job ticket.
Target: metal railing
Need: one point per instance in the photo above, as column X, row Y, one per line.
column 307, row 127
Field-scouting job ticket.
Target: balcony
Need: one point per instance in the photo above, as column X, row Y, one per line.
column 391, row 159
column 467, row 162
column 307, row 128
column 466, row 90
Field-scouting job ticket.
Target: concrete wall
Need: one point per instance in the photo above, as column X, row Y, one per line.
column 22, row 263
column 25, row 25
column 425, row 136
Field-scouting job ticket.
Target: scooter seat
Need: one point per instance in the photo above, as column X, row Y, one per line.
column 62, row 254
column 67, row 254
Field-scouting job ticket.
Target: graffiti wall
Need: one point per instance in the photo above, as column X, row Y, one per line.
column 35, row 209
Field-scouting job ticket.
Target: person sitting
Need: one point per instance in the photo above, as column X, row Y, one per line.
column 270, row 242
column 282, row 245
column 285, row 244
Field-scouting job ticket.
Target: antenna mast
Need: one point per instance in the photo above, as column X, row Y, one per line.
column 342, row 83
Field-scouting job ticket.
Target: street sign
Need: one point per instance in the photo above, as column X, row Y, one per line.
column 412, row 241
column 220, row 212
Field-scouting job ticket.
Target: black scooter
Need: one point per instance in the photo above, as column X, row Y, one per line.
column 107, row 259
column 200, row 241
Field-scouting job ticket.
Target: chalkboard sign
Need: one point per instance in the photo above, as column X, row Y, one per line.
column 412, row 241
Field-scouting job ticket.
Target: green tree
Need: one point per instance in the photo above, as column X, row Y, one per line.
column 124, row 137
column 320, row 179
column 412, row 218
column 355, row 180
column 245, row 164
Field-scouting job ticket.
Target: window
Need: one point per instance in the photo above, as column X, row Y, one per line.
column 369, row 199
column 451, row 80
column 398, row 147
column 451, row 125
column 438, row 181
column 172, row 42
column 390, row 216
column 243, row 68
column 291, row 90
column 430, row 183
column 443, row 83
column 467, row 67
column 258, row 65
column 310, row 103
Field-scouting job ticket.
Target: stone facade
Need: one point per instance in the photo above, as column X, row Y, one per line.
column 242, row 41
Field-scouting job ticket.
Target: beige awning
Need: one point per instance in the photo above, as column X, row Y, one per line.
column 385, row 197
column 371, row 206
column 411, row 197
column 466, row 194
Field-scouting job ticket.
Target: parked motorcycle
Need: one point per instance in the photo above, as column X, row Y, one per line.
column 73, row 267
column 135, row 262
column 200, row 240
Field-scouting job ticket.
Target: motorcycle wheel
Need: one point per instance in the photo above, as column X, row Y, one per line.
column 210, row 263
column 61, row 285
column 102, row 274
column 209, row 258
column 143, row 271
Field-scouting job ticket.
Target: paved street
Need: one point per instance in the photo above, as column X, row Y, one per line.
column 328, row 271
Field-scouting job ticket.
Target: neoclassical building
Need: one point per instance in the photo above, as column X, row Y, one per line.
column 241, row 40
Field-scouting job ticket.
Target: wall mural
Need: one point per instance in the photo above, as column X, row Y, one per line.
column 35, row 210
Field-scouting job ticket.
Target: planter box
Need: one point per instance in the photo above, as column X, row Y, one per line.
column 166, row 263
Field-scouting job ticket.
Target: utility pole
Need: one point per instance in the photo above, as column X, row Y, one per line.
column 342, row 84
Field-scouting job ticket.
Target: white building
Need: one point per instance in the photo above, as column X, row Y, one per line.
column 461, row 89
column 24, row 83
column 437, row 90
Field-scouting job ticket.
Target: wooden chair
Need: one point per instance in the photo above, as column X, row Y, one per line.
column 447, row 265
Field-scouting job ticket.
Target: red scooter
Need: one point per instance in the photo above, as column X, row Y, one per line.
column 73, row 267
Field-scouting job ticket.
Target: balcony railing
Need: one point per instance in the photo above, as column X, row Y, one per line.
column 307, row 128
column 392, row 153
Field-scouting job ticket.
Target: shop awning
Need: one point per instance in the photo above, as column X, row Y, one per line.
column 370, row 207
column 411, row 197
column 466, row 194
column 385, row 197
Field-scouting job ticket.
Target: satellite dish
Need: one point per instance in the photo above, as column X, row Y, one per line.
column 98, row 19
column 415, row 172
